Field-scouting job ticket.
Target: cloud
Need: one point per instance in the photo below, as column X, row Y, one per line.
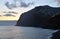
column 9, row 15
column 17, row 3
column 58, row 2
column 0, row 15
column 10, row 6
column 23, row 4
column 11, row 12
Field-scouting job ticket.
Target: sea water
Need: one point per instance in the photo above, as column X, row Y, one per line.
column 8, row 30
column 17, row 32
column 8, row 23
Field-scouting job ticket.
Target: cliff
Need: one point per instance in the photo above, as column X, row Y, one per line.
column 55, row 35
column 41, row 16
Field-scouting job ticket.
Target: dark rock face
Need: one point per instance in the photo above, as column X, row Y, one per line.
column 54, row 22
column 41, row 16
column 56, row 35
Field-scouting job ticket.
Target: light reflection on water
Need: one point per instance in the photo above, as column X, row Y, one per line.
column 14, row 32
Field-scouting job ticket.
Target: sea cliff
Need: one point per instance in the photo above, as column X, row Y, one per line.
column 41, row 16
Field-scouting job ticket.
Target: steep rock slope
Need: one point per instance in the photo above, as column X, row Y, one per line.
column 40, row 17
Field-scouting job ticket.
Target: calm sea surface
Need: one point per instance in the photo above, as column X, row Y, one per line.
column 9, row 31
column 15, row 32
column 7, row 23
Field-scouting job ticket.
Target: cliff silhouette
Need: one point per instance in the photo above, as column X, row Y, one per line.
column 41, row 16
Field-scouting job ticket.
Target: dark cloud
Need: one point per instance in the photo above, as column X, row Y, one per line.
column 9, row 15
column 11, row 12
column 0, row 15
column 23, row 4
column 20, row 4
column 10, row 6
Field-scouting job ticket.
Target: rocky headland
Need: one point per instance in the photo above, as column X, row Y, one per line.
column 41, row 16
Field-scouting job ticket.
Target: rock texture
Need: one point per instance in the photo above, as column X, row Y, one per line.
column 41, row 16
column 56, row 35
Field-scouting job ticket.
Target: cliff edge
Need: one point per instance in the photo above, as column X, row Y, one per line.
column 41, row 16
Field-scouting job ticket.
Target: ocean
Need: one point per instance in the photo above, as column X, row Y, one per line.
column 15, row 32
column 8, row 30
column 8, row 23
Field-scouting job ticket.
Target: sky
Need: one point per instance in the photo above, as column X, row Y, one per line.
column 12, row 9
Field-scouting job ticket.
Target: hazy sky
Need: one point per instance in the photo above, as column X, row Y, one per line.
column 22, row 8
